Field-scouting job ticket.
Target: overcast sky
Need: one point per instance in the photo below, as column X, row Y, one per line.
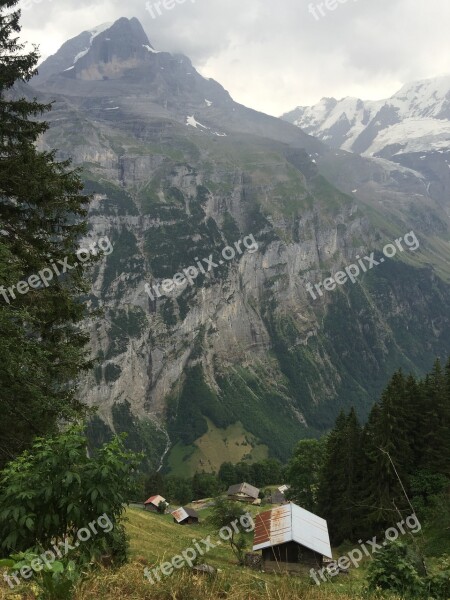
column 275, row 55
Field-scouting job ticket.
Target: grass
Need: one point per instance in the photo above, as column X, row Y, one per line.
column 208, row 452
column 155, row 538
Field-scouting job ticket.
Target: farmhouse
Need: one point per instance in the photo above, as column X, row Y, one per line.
column 152, row 504
column 243, row 492
column 185, row 516
column 291, row 538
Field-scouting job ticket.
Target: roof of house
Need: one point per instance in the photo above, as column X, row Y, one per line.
column 290, row 523
column 181, row 514
column 243, row 488
column 155, row 500
column 277, row 497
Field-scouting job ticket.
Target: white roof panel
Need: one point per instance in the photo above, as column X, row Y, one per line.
column 291, row 523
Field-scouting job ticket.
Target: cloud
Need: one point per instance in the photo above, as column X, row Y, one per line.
column 271, row 55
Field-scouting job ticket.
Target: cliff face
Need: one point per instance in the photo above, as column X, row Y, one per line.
column 241, row 361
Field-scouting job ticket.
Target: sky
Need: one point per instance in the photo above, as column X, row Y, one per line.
column 274, row 55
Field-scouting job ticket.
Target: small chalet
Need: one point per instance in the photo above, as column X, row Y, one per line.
column 291, row 538
column 185, row 516
column 277, row 497
column 243, row 492
column 152, row 504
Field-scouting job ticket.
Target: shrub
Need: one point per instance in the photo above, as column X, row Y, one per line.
column 392, row 569
column 51, row 493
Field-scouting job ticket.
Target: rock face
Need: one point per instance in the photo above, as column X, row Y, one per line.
column 179, row 173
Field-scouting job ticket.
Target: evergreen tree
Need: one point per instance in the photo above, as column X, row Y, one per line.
column 332, row 483
column 350, row 518
column 227, row 474
column 436, row 417
column 389, row 456
column 303, row 473
column 42, row 216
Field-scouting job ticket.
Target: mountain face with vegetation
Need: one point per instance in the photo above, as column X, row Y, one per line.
column 243, row 363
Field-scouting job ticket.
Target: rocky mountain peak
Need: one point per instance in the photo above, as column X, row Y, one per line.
column 101, row 53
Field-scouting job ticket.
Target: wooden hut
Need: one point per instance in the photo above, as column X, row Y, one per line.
column 152, row 504
column 291, row 538
column 185, row 516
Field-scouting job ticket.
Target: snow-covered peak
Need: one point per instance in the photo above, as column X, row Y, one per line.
column 423, row 98
column 415, row 118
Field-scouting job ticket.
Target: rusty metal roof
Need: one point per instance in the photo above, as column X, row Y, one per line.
column 290, row 523
column 183, row 513
column 155, row 500
column 243, row 488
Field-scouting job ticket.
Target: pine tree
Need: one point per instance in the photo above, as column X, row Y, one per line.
column 435, row 421
column 42, row 216
column 350, row 519
column 388, row 453
column 332, row 492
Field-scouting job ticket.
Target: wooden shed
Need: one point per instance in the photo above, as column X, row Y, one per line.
column 277, row 497
column 185, row 516
column 243, row 492
column 152, row 504
column 291, row 538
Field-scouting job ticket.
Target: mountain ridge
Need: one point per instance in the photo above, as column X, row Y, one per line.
column 179, row 171
column 407, row 119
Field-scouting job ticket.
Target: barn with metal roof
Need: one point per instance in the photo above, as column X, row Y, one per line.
column 289, row 537
column 185, row 516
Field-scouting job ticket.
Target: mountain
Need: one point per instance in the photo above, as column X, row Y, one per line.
column 243, row 362
column 415, row 119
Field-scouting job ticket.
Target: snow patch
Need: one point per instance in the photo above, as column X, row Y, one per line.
column 94, row 33
column 80, row 55
column 193, row 123
column 150, row 49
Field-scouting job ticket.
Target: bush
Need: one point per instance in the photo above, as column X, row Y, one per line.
column 438, row 584
column 53, row 492
column 55, row 581
column 392, row 569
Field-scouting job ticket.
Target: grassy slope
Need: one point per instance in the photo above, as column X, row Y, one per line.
column 232, row 444
column 156, row 538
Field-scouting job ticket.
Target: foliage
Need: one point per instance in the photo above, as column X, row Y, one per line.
column 392, row 569
column 142, row 435
column 371, row 476
column 303, row 473
column 223, row 514
column 205, row 485
column 438, row 584
column 56, row 580
column 396, row 569
column 53, row 490
column 42, row 218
